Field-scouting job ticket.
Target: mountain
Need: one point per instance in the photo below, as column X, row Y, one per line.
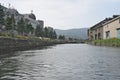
column 80, row 33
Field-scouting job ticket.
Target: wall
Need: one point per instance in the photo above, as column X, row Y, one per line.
column 13, row 44
column 112, row 27
column 94, row 33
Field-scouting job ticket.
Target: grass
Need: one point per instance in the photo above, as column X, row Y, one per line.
column 32, row 38
column 108, row 42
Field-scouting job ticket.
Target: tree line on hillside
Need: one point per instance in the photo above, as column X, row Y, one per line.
column 23, row 27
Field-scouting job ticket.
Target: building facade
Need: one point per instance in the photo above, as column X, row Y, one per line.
column 106, row 29
column 96, row 32
column 111, row 29
column 31, row 19
column 28, row 18
column 40, row 23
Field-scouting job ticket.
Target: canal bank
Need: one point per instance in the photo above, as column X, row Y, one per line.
column 114, row 42
column 15, row 44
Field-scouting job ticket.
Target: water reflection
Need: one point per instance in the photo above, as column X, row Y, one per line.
column 62, row 62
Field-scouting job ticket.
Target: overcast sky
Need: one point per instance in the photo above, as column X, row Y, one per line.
column 67, row 14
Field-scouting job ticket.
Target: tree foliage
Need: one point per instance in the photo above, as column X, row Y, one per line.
column 8, row 23
column 24, row 27
column 30, row 29
column 1, row 15
column 53, row 34
column 39, row 31
column 50, row 33
column 61, row 37
column 13, row 22
column 21, row 27
column 46, row 32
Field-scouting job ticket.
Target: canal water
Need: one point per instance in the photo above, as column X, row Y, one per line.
column 62, row 62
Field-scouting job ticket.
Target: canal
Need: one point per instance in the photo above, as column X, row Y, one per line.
column 62, row 62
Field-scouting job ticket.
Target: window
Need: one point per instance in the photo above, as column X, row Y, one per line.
column 95, row 36
column 99, row 36
column 118, row 33
column 108, row 35
column 99, row 29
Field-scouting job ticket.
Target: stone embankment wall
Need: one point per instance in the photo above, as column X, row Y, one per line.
column 13, row 44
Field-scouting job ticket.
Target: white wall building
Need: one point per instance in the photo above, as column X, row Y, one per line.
column 30, row 18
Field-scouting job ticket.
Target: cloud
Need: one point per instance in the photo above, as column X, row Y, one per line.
column 56, row 13
column 66, row 13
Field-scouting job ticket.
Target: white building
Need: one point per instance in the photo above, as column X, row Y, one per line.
column 29, row 18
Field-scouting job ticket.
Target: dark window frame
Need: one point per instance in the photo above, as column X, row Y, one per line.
column 107, row 34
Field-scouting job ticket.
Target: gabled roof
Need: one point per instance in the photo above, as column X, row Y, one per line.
column 100, row 23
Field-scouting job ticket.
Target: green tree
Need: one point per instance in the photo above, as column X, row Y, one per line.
column 8, row 23
column 39, row 31
column 70, row 39
column 13, row 22
column 1, row 15
column 46, row 32
column 61, row 37
column 54, row 35
column 21, row 27
column 30, row 29
column 50, row 33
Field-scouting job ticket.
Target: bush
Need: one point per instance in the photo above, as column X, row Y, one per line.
column 5, row 35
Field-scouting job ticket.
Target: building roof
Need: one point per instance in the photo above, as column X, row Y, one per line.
column 32, row 16
column 115, row 17
column 105, row 21
column 100, row 23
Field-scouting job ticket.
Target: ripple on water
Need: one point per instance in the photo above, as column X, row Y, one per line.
column 62, row 62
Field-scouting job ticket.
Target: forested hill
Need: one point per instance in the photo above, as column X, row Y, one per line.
column 80, row 33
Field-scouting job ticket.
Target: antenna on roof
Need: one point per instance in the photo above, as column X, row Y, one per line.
column 31, row 11
column 9, row 5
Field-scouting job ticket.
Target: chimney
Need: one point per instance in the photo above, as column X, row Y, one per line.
column 114, row 16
